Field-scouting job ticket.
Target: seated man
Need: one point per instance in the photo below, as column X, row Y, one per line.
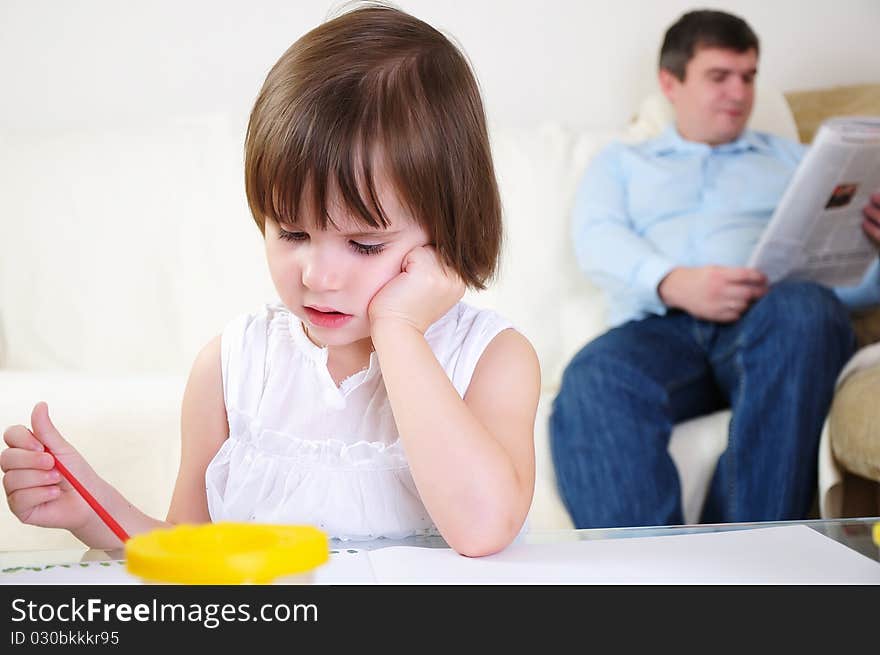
column 665, row 227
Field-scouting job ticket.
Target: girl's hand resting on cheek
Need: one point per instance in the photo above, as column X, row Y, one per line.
column 424, row 291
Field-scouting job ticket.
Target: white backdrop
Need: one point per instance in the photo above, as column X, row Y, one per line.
column 99, row 61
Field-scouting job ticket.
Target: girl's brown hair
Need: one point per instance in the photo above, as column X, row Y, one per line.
column 377, row 86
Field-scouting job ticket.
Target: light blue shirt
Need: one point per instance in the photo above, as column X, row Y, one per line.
column 643, row 209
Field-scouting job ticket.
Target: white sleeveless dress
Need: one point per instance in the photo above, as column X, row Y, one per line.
column 302, row 451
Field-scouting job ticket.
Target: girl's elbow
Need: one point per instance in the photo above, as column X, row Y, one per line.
column 481, row 549
column 487, row 540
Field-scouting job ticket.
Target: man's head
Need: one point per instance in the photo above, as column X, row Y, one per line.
column 708, row 64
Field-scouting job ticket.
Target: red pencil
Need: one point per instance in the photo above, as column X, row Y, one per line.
column 90, row 499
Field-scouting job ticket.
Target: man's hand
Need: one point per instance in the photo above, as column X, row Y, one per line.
column 871, row 223
column 713, row 293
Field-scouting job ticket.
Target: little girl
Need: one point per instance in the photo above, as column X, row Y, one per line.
column 369, row 401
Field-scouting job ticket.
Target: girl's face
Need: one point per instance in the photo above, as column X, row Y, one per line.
column 327, row 278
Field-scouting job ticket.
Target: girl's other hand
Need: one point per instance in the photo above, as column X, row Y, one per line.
column 424, row 291
column 36, row 491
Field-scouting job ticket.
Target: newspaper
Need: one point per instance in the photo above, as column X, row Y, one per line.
column 815, row 233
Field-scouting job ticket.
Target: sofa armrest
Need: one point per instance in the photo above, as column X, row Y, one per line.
column 127, row 427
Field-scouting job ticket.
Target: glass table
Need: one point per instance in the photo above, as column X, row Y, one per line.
column 855, row 533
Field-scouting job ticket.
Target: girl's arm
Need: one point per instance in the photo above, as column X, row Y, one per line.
column 472, row 459
column 203, row 429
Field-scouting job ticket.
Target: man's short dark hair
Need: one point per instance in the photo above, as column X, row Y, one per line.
column 703, row 29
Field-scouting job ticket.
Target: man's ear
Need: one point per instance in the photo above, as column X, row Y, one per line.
column 669, row 83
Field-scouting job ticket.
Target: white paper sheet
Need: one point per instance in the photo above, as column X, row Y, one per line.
column 779, row 555
column 793, row 554
column 111, row 572
column 345, row 566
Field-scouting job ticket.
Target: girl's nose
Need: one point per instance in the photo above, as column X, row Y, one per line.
column 320, row 272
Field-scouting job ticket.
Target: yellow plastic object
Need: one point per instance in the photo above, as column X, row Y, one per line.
column 877, row 533
column 226, row 553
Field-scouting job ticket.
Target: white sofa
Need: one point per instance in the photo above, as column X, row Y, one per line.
column 123, row 250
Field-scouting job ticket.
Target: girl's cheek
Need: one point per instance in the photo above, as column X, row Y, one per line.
column 381, row 276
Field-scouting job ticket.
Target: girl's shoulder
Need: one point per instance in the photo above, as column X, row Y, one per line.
column 459, row 338
column 465, row 322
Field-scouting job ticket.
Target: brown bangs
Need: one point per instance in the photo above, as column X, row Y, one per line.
column 373, row 92
column 322, row 146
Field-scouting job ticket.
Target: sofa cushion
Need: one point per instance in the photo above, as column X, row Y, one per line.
column 130, row 246
column 127, row 427
column 770, row 113
column 539, row 287
column 812, row 107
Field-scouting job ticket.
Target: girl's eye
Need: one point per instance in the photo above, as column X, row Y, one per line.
column 361, row 248
column 367, row 249
column 292, row 236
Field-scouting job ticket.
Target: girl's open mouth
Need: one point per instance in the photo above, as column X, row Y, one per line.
column 330, row 318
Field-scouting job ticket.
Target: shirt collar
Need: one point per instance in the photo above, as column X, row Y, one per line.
column 670, row 142
column 320, row 354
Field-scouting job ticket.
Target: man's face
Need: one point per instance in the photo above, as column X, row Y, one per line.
column 713, row 103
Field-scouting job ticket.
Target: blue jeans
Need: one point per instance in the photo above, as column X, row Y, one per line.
column 622, row 394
